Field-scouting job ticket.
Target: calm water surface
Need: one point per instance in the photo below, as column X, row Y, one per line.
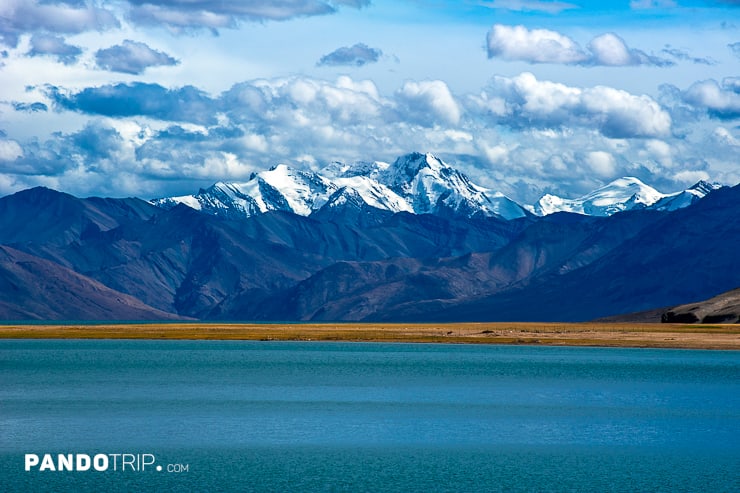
column 263, row 416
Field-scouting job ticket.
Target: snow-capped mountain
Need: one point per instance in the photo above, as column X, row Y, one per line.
column 679, row 200
column 415, row 183
column 279, row 188
column 620, row 195
column 433, row 187
column 623, row 194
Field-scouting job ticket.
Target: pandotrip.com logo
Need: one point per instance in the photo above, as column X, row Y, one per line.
column 118, row 462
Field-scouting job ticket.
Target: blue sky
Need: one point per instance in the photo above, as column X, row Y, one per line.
column 149, row 98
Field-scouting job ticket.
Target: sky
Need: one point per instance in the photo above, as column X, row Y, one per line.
column 159, row 98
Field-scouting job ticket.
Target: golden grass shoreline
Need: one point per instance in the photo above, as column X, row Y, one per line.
column 549, row 334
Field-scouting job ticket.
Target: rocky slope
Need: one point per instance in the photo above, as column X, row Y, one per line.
column 36, row 289
column 721, row 309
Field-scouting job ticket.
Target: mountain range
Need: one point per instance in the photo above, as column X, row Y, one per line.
column 416, row 183
column 410, row 240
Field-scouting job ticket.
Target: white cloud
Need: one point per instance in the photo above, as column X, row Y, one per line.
column 545, row 97
column 132, row 57
column 610, row 49
column 496, row 154
column 689, row 177
column 621, row 114
column 615, row 113
column 660, row 151
column 303, row 91
column 223, row 164
column 534, row 46
column 602, row 163
column 545, row 46
column 18, row 17
column 724, row 136
column 362, row 86
column 256, row 142
column 10, row 150
column 428, row 102
column 45, row 44
column 216, row 14
column 519, row 135
column 722, row 101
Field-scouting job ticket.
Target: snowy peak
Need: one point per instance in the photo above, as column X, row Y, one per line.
column 702, row 188
column 303, row 191
column 685, row 198
column 374, row 194
column 406, row 169
column 431, row 186
column 415, row 183
column 623, row 194
column 363, row 168
column 620, row 195
column 280, row 188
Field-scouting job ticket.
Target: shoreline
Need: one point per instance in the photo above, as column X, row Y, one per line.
column 635, row 335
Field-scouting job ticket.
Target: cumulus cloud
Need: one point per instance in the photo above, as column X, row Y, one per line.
column 534, row 46
column 602, row 163
column 48, row 44
column 550, row 7
column 217, row 14
column 186, row 104
column 611, row 50
column 546, row 46
column 9, row 150
column 50, row 158
column 29, row 16
column 356, row 55
column 719, row 100
column 132, row 57
column 18, row 17
column 615, row 113
column 346, row 109
column 97, row 142
column 428, row 102
column 304, row 102
column 517, row 135
column 689, row 177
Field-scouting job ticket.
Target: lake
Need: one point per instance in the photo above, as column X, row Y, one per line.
column 310, row 416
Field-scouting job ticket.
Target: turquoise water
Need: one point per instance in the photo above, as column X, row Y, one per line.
column 307, row 416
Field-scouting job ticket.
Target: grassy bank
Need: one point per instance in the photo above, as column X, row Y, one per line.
column 554, row 334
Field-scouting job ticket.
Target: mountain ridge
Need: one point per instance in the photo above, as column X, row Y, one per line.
column 622, row 194
column 417, row 183
column 348, row 260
